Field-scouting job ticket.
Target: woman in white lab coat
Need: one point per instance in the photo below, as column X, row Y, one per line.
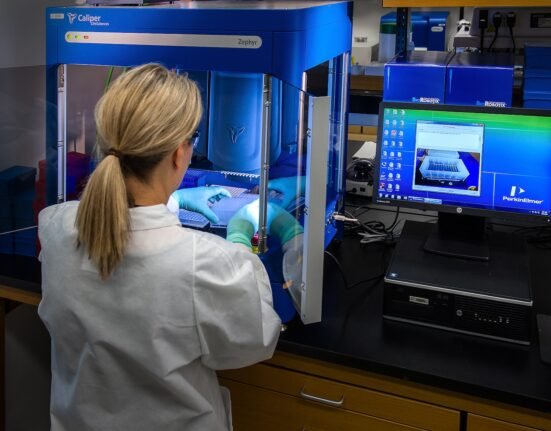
column 141, row 311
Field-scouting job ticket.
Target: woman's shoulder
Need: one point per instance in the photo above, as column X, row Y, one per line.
column 53, row 211
column 56, row 213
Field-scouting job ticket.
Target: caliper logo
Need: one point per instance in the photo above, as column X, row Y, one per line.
column 87, row 18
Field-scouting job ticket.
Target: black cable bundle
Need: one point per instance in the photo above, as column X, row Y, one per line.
column 511, row 20
column 496, row 21
column 373, row 230
column 482, row 25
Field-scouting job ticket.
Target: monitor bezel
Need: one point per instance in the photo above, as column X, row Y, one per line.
column 454, row 209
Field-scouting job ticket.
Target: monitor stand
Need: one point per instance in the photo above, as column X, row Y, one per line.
column 459, row 236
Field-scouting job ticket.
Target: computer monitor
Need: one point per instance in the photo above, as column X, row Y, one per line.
column 471, row 162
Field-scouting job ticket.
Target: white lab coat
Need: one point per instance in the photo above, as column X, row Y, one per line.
column 139, row 351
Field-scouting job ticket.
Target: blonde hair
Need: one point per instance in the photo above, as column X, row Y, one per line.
column 143, row 117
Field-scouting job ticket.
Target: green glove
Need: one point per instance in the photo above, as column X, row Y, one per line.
column 283, row 225
column 290, row 187
column 243, row 224
column 196, row 199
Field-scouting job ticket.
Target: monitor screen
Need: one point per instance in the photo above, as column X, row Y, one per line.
column 464, row 159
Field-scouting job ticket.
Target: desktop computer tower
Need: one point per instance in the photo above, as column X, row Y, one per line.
column 485, row 298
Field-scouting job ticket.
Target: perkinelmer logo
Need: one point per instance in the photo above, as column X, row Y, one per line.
column 516, row 190
column 514, row 196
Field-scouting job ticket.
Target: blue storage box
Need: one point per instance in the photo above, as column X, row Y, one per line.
column 537, row 57
column 537, row 77
column 537, row 104
column 480, row 80
column 16, row 178
column 428, row 28
column 419, row 77
column 17, row 193
column 537, row 80
column 6, row 244
column 539, row 99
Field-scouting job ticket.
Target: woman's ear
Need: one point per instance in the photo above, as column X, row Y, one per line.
column 177, row 156
column 182, row 156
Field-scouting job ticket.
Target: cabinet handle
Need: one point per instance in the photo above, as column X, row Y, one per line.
column 332, row 403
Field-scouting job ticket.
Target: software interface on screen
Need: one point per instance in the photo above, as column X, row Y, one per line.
column 496, row 162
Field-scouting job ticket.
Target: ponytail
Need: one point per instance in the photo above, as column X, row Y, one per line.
column 103, row 219
column 145, row 115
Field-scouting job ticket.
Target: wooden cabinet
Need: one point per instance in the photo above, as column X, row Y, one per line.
column 481, row 423
column 260, row 409
column 292, row 392
column 267, row 397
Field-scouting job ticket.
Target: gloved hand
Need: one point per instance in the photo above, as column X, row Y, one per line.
column 244, row 224
column 290, row 187
column 282, row 225
column 290, row 234
column 196, row 199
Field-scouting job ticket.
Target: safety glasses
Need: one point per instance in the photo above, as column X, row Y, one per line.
column 194, row 140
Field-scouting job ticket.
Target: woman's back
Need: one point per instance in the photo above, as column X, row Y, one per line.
column 138, row 350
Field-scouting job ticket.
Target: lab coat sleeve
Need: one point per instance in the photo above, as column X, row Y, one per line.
column 236, row 323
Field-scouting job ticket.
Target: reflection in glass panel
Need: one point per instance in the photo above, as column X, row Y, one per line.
column 247, row 118
column 22, row 149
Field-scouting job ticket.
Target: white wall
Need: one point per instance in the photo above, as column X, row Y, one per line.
column 22, row 30
column 22, row 80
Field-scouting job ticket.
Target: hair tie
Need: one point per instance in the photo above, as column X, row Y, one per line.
column 113, row 152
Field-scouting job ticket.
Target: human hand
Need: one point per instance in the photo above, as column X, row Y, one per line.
column 283, row 225
column 196, row 199
column 290, row 187
column 244, row 224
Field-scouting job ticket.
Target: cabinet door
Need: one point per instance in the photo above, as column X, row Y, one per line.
column 260, row 409
column 481, row 423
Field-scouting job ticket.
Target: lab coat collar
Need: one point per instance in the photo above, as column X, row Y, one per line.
column 152, row 217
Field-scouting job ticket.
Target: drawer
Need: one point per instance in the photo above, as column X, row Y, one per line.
column 256, row 409
column 355, row 399
column 481, row 423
